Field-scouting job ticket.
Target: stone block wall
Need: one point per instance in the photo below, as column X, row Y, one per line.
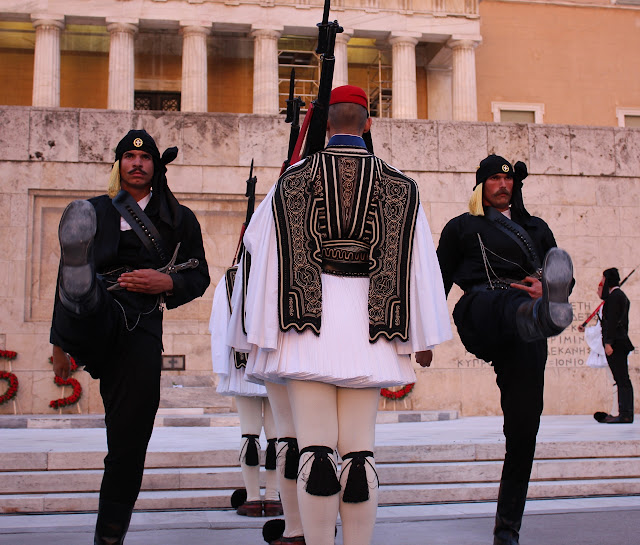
column 584, row 181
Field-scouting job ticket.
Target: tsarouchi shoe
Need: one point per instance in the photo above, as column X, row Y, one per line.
column 250, row 509
column 272, row 508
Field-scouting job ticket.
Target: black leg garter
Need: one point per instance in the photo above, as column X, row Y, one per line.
column 270, row 460
column 292, row 458
column 250, row 450
column 356, row 489
column 322, row 479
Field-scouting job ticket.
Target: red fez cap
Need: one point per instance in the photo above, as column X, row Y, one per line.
column 348, row 93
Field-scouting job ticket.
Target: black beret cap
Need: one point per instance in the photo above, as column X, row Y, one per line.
column 493, row 164
column 612, row 276
column 138, row 140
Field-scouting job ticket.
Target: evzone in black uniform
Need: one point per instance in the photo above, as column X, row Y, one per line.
column 124, row 257
column 516, row 286
column 344, row 286
column 617, row 345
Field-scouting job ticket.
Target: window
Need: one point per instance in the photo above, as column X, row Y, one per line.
column 517, row 112
column 156, row 100
column 628, row 117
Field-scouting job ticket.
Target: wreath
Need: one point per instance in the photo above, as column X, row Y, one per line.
column 13, row 386
column 77, row 388
column 9, row 377
column 398, row 394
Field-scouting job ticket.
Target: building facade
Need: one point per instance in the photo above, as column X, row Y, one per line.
column 552, row 84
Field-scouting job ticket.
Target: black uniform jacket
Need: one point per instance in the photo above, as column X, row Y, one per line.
column 114, row 249
column 615, row 321
column 460, row 250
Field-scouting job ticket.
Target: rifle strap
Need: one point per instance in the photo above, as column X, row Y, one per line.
column 142, row 226
column 516, row 233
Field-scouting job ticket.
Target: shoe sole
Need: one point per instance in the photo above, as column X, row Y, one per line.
column 557, row 276
column 76, row 233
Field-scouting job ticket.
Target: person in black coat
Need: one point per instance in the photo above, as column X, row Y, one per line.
column 516, row 285
column 616, row 342
column 121, row 263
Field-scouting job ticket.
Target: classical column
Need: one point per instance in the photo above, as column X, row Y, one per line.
column 194, row 67
column 121, row 63
column 265, row 70
column 46, row 66
column 404, row 91
column 465, row 95
column 341, row 69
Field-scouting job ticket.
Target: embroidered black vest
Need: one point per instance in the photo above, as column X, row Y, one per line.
column 344, row 211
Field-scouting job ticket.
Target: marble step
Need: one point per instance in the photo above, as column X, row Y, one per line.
column 457, row 452
column 390, row 474
column 389, row 495
column 182, row 416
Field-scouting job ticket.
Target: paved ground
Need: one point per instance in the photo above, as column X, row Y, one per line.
column 479, row 429
column 587, row 521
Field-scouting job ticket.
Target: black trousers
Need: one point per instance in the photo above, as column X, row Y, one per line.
column 619, row 365
column 128, row 364
column 486, row 322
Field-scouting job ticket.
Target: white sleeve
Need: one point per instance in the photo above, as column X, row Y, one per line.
column 429, row 323
column 261, row 305
column 235, row 335
column 220, row 350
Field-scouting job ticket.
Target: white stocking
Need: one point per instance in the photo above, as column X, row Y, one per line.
column 271, row 477
column 314, row 406
column 279, row 402
column 250, row 412
column 357, row 408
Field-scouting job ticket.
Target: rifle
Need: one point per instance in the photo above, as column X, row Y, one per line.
column 251, row 194
column 584, row 324
column 314, row 127
column 293, row 117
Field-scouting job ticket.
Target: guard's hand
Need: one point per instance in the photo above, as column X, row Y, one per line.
column 532, row 286
column 424, row 358
column 61, row 363
column 608, row 349
column 146, row 281
column 581, row 328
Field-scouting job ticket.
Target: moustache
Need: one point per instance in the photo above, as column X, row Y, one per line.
column 133, row 170
column 503, row 192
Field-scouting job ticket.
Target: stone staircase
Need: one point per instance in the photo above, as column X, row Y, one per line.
column 59, row 481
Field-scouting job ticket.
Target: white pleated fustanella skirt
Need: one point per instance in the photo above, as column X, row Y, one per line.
column 341, row 354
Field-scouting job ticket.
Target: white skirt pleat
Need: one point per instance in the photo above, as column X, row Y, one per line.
column 341, row 354
column 231, row 380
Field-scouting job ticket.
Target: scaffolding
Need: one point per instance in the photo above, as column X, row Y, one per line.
column 307, row 66
column 379, row 80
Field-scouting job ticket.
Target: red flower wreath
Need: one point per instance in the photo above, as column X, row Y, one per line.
column 77, row 388
column 9, row 377
column 13, row 386
column 399, row 394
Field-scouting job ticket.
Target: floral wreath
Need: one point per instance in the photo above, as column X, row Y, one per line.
column 397, row 394
column 9, row 377
column 77, row 388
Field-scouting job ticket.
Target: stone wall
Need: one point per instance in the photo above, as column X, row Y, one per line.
column 585, row 182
